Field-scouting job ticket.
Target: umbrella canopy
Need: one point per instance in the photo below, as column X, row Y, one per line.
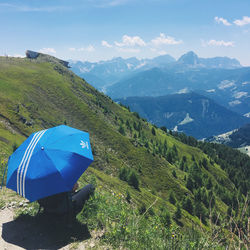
column 49, row 162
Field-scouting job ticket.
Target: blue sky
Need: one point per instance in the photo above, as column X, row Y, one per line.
column 96, row 30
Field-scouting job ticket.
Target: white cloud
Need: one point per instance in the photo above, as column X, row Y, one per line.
column 244, row 21
column 72, row 49
column 165, row 40
column 90, row 48
column 106, row 44
column 213, row 42
column 128, row 50
column 23, row 8
column 107, row 3
column 48, row 50
column 222, row 20
column 130, row 41
column 113, row 3
column 159, row 52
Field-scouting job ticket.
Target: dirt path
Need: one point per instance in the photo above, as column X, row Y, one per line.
column 6, row 215
column 28, row 232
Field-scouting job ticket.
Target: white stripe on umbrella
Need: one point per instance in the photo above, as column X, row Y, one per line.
column 28, row 162
column 24, row 159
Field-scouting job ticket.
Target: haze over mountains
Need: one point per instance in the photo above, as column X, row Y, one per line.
column 190, row 113
column 106, row 73
column 220, row 79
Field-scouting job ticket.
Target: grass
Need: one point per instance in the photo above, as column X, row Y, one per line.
column 40, row 94
column 125, row 227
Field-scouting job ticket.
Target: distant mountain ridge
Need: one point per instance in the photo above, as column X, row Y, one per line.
column 228, row 87
column 190, row 113
column 103, row 73
column 191, row 59
column 106, row 73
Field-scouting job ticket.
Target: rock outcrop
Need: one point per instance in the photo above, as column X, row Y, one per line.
column 35, row 55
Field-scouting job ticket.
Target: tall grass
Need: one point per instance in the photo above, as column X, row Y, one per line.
column 125, row 227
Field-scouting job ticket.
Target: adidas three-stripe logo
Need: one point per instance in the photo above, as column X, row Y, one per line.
column 23, row 167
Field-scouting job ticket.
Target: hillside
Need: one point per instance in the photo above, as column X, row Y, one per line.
column 238, row 138
column 190, row 113
column 40, row 93
column 241, row 137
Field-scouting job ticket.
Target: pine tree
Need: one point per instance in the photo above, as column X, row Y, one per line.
column 188, row 205
column 165, row 218
column 121, row 130
column 200, row 211
column 169, row 157
column 128, row 197
column 133, row 180
column 174, row 174
column 153, row 131
column 189, row 183
column 209, row 183
column 177, row 214
column 172, row 198
column 123, row 174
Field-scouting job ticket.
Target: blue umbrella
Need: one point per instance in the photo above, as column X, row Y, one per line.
column 49, row 162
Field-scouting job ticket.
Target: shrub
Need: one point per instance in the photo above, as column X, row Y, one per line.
column 163, row 129
column 165, row 218
column 142, row 208
column 133, row 180
column 129, row 176
column 188, row 205
column 14, row 147
column 172, row 198
column 177, row 214
column 174, row 174
column 153, row 131
column 121, row 130
column 123, row 174
column 128, row 197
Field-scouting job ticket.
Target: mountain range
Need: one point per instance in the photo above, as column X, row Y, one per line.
column 220, row 79
column 105, row 73
column 190, row 113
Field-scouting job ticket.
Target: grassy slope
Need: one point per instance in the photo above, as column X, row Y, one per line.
column 39, row 94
